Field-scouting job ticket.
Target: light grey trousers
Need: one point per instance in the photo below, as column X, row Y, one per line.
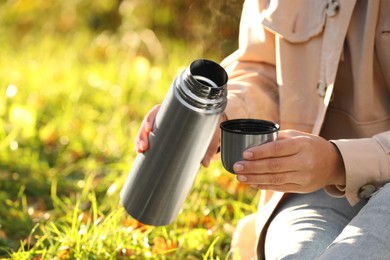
column 317, row 226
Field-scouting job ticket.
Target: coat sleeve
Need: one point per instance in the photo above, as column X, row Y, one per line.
column 252, row 87
column 367, row 162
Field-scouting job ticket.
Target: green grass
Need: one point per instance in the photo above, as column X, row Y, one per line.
column 70, row 107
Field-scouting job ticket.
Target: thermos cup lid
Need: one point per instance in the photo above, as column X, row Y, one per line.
column 237, row 135
column 249, row 126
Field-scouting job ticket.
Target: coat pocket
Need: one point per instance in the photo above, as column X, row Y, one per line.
column 296, row 21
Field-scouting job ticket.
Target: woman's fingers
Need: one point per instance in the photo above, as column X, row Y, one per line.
column 278, row 148
column 290, row 187
column 212, row 149
column 141, row 140
column 269, row 165
column 214, row 144
column 272, row 179
column 297, row 162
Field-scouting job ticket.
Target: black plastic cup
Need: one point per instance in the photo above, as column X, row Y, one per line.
column 238, row 135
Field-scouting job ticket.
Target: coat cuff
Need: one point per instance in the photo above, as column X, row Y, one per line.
column 366, row 162
column 335, row 191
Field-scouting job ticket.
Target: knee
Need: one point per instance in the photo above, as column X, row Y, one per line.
column 244, row 238
column 382, row 195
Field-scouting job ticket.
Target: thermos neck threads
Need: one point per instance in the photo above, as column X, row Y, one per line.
column 203, row 85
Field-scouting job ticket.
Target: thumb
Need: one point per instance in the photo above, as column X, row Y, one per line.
column 212, row 149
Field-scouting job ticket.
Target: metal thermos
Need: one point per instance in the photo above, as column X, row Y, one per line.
column 161, row 177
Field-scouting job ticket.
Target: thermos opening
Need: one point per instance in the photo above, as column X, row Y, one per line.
column 209, row 73
column 205, row 81
column 249, row 126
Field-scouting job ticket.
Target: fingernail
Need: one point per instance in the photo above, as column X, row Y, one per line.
column 237, row 167
column 242, row 178
column 247, row 155
column 148, row 127
column 141, row 145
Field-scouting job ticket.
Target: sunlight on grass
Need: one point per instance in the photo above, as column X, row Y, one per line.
column 71, row 102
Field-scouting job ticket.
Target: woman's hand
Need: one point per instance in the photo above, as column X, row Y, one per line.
column 296, row 162
column 141, row 143
column 214, row 145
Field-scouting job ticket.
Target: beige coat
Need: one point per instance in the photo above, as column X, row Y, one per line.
column 319, row 66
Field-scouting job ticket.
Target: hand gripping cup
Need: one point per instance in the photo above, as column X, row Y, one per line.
column 238, row 135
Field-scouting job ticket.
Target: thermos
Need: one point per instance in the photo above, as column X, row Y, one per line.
column 161, row 178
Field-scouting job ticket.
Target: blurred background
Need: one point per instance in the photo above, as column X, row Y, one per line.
column 76, row 79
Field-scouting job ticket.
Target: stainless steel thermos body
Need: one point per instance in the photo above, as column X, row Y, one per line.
column 162, row 177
